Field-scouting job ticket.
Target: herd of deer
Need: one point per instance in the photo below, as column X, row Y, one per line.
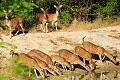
column 43, row 62
column 44, row 18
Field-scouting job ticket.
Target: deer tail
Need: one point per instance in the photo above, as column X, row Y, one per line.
column 83, row 39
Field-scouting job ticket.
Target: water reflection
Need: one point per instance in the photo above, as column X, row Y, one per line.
column 113, row 75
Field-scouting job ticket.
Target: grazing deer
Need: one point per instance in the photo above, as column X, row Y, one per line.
column 43, row 65
column 46, row 58
column 85, row 55
column 14, row 22
column 95, row 49
column 62, row 61
column 30, row 62
column 41, row 17
column 72, row 58
column 54, row 17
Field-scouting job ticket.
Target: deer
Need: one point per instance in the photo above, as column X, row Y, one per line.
column 53, row 18
column 14, row 22
column 85, row 55
column 30, row 62
column 95, row 49
column 62, row 61
column 72, row 58
column 42, row 17
column 43, row 65
column 13, row 53
column 46, row 58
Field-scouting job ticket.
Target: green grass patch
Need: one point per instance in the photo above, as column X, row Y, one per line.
column 6, row 45
column 3, row 77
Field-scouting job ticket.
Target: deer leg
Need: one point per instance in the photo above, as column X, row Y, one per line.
column 84, row 62
column 41, row 25
column 72, row 67
column 22, row 29
column 35, row 73
column 11, row 35
column 64, row 67
column 100, row 59
column 46, row 26
column 17, row 31
column 56, row 25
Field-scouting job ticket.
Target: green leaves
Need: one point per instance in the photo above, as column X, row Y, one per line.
column 65, row 16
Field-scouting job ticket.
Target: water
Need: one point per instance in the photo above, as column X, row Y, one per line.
column 74, row 75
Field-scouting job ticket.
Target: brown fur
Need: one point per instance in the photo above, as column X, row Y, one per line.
column 54, row 17
column 95, row 49
column 14, row 22
column 41, row 17
column 61, row 61
column 30, row 62
column 43, row 65
column 46, row 58
column 85, row 55
column 72, row 58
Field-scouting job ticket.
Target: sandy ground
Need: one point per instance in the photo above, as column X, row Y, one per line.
column 50, row 43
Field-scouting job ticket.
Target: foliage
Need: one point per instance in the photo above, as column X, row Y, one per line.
column 17, row 68
column 65, row 15
column 19, row 7
column 29, row 8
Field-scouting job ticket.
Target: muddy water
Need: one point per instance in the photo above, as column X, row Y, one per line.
column 110, row 75
column 105, row 71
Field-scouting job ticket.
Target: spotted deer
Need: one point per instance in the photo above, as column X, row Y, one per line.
column 13, row 23
column 85, row 55
column 72, row 58
column 42, row 17
column 43, row 65
column 30, row 62
column 46, row 58
column 53, row 18
column 62, row 61
column 95, row 49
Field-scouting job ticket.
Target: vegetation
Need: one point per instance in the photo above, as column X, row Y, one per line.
column 6, row 45
column 83, row 10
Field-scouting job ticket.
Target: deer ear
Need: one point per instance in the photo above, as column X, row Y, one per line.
column 4, row 11
column 9, row 11
column 60, row 6
column 42, row 9
column 55, row 6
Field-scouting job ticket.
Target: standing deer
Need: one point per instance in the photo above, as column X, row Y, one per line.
column 85, row 55
column 46, row 58
column 95, row 49
column 42, row 17
column 14, row 22
column 72, row 58
column 53, row 18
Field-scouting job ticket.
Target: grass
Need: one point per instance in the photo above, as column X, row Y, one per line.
column 6, row 45
column 98, row 23
column 3, row 77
